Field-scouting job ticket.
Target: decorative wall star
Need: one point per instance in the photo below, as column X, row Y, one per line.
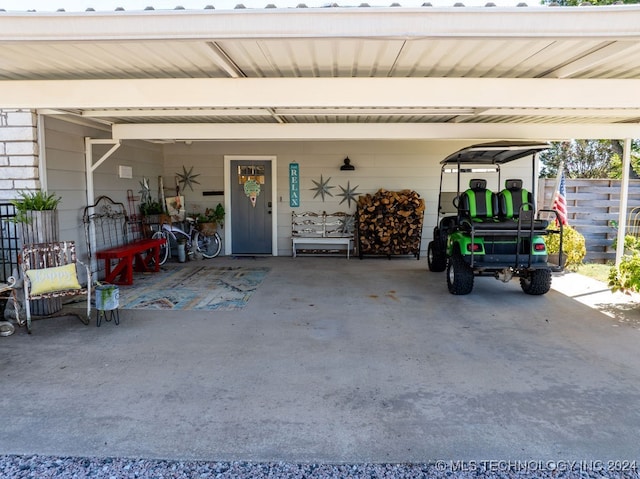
column 145, row 191
column 349, row 194
column 187, row 178
column 322, row 187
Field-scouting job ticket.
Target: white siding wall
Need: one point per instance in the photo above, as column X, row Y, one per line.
column 65, row 158
column 393, row 165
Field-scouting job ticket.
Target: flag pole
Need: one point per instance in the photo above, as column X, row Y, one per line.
column 556, row 187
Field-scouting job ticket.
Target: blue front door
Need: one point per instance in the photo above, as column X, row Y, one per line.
column 251, row 207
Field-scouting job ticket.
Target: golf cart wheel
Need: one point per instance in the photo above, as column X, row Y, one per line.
column 436, row 258
column 459, row 276
column 536, row 283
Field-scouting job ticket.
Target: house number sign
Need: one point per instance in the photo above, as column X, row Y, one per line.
column 294, row 185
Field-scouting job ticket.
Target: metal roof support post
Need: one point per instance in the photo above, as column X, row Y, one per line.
column 624, row 198
column 90, row 167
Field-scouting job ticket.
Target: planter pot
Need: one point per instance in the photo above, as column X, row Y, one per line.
column 554, row 259
column 107, row 297
column 208, row 229
column 41, row 227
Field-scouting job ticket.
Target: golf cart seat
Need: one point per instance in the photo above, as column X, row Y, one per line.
column 478, row 204
column 514, row 198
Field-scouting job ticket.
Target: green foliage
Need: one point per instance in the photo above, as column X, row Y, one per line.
column 212, row 215
column 631, row 244
column 573, row 246
column 33, row 201
column 626, row 277
column 151, row 207
column 588, row 158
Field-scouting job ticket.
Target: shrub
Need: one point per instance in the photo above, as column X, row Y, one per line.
column 626, row 277
column 573, row 246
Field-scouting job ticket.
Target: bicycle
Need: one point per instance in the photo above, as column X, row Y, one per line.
column 197, row 244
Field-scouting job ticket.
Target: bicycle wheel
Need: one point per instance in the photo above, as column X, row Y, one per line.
column 209, row 245
column 164, row 249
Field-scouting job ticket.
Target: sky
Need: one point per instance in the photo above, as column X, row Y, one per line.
column 130, row 5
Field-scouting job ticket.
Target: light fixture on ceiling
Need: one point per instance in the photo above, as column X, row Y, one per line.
column 347, row 165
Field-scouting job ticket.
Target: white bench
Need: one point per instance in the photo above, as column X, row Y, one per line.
column 321, row 230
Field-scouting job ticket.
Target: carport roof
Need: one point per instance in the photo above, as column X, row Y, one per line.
column 328, row 73
column 494, row 153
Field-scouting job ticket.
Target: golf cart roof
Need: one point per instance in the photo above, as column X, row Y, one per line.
column 498, row 152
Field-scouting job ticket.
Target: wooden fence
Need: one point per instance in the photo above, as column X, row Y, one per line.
column 592, row 206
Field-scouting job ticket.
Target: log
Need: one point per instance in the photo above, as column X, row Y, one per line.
column 390, row 223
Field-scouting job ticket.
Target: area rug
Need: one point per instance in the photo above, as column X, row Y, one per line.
column 204, row 288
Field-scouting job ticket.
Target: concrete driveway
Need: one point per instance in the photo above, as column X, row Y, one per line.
column 333, row 360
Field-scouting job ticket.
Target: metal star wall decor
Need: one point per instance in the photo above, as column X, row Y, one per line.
column 322, row 187
column 145, row 191
column 187, row 178
column 348, row 194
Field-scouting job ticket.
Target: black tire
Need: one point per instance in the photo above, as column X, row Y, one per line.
column 436, row 258
column 537, row 282
column 459, row 276
column 209, row 245
column 164, row 249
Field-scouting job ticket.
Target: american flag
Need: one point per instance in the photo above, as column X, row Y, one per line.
column 560, row 200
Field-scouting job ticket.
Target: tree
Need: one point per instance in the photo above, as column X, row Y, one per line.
column 589, row 159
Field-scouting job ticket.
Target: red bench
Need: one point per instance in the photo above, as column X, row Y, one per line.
column 118, row 241
column 142, row 255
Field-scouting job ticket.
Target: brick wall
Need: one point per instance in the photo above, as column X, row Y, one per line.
column 18, row 152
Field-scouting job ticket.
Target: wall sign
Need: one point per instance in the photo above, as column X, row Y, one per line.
column 294, row 185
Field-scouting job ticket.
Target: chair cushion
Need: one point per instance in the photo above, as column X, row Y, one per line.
column 48, row 280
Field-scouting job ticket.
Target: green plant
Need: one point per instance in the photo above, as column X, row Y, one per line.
column 626, row 277
column 212, row 215
column 33, row 201
column 573, row 246
column 151, row 207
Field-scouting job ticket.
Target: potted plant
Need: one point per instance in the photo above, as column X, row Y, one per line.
column 209, row 221
column 150, row 209
column 37, row 212
column 573, row 247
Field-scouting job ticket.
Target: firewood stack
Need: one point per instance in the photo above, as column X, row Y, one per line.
column 390, row 223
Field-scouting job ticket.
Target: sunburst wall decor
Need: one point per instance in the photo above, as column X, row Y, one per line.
column 187, row 178
column 349, row 194
column 322, row 187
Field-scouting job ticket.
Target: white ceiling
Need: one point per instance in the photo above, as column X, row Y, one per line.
column 551, row 65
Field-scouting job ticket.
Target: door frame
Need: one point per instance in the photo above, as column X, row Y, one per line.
column 228, row 233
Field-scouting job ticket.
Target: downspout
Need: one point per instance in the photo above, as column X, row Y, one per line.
column 624, row 199
column 42, row 155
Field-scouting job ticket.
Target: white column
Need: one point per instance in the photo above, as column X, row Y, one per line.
column 624, row 195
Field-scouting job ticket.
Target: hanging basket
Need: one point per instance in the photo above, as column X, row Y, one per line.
column 208, row 228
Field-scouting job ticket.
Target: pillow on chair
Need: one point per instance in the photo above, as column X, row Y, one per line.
column 48, row 280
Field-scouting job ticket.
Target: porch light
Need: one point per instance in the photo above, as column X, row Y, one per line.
column 347, row 165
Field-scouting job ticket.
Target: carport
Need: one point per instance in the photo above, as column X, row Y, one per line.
column 393, row 369
column 451, row 76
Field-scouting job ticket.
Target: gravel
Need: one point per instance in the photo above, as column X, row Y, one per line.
column 43, row 467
